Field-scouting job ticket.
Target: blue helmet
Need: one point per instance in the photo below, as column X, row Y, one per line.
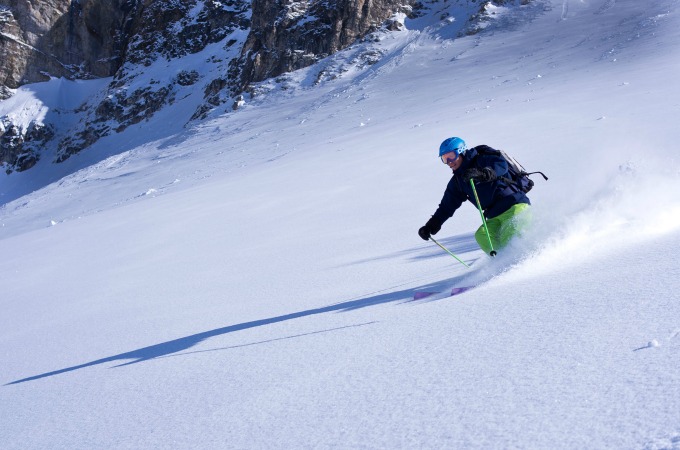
column 452, row 144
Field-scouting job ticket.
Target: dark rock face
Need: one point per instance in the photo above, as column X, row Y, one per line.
column 23, row 24
column 159, row 30
column 291, row 35
column 21, row 148
column 96, row 38
column 62, row 38
column 174, row 28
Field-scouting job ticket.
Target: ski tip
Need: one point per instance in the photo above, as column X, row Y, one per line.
column 460, row 290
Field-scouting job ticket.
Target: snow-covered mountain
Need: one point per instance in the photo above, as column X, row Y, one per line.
column 249, row 281
column 193, row 55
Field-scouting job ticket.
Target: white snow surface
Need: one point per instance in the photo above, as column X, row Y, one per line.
column 248, row 281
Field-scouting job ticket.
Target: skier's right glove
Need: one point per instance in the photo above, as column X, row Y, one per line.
column 430, row 228
column 481, row 176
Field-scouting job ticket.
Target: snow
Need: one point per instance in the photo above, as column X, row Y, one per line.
column 34, row 102
column 248, row 281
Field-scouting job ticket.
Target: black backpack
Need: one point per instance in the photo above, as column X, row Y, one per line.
column 519, row 177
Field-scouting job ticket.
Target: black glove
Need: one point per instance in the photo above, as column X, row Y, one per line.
column 480, row 176
column 430, row 228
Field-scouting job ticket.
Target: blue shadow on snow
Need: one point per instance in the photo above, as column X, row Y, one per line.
column 178, row 345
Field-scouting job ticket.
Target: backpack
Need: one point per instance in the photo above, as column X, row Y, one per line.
column 519, row 177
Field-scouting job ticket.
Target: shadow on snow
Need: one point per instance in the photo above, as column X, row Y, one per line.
column 460, row 245
column 171, row 348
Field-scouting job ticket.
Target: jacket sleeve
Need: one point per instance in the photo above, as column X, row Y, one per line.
column 451, row 201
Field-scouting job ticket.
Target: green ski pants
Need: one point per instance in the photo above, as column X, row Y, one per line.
column 504, row 227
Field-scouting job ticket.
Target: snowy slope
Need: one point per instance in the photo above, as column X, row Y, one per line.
column 248, row 282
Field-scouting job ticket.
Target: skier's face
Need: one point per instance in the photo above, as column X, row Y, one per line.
column 452, row 160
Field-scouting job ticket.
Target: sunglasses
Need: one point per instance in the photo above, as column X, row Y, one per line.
column 448, row 158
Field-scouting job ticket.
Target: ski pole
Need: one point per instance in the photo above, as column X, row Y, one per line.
column 481, row 213
column 448, row 251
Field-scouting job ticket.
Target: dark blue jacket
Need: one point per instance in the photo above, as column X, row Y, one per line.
column 496, row 196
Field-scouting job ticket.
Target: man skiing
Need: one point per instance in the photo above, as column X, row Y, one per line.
column 505, row 206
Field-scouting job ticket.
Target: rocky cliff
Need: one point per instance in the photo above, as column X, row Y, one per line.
column 239, row 42
column 62, row 38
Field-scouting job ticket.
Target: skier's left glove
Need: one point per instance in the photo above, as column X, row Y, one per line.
column 481, row 176
column 430, row 228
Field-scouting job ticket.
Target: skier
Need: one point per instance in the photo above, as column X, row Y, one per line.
column 505, row 206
